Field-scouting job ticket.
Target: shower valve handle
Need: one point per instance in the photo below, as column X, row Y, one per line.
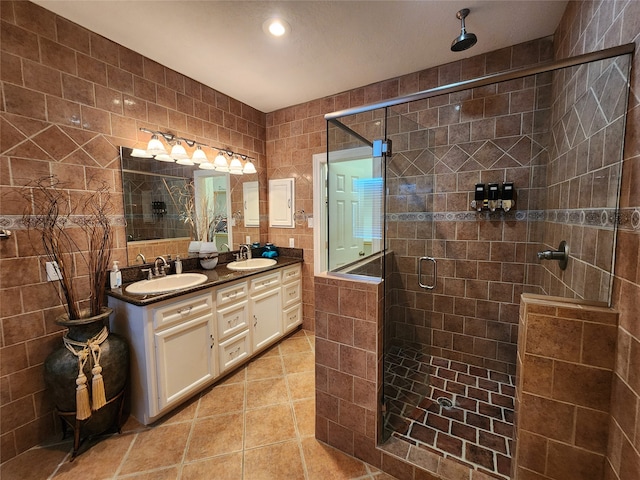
column 561, row 255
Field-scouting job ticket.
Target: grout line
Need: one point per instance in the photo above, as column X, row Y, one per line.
column 126, row 456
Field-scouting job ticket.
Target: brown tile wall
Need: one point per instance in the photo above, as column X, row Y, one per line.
column 489, row 134
column 583, row 176
column 566, row 355
column 585, row 27
column 69, row 99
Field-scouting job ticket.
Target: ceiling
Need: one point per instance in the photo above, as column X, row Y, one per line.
column 333, row 46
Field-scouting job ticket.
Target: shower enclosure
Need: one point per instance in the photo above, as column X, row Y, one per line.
column 401, row 179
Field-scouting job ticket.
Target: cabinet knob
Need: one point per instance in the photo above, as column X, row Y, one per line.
column 185, row 310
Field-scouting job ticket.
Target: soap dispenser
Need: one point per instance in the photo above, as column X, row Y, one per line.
column 115, row 276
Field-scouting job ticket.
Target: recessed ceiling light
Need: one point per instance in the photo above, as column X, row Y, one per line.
column 276, row 27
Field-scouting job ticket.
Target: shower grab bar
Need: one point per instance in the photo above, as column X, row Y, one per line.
column 435, row 273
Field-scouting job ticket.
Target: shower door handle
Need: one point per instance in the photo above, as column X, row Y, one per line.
column 435, row 272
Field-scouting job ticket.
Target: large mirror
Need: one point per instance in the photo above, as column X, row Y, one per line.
column 160, row 199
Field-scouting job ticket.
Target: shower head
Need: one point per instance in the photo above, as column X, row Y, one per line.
column 464, row 40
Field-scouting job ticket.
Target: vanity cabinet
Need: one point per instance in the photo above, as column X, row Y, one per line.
column 291, row 297
column 172, row 350
column 232, row 312
column 265, row 308
column 181, row 345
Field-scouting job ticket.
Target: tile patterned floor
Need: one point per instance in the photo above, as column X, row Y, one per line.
column 465, row 414
column 256, row 424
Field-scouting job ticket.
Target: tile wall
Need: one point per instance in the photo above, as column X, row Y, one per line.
column 566, row 355
column 585, row 27
column 69, row 98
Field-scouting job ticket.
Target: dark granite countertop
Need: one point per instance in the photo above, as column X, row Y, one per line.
column 218, row 276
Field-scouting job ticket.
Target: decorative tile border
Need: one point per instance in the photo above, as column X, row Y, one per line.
column 16, row 222
column 626, row 218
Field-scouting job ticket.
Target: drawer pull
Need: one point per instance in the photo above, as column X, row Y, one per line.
column 255, row 322
column 184, row 310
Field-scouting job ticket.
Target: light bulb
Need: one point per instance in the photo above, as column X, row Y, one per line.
column 155, row 146
column 220, row 163
column 249, row 167
column 140, row 153
column 235, row 167
column 207, row 165
column 199, row 156
column 164, row 158
column 178, row 152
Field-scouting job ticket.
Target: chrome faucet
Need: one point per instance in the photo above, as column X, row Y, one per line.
column 245, row 251
column 141, row 257
column 160, row 271
column 225, row 245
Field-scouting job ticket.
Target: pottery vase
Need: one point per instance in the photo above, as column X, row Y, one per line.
column 61, row 371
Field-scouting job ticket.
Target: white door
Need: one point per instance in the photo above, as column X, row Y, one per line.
column 345, row 210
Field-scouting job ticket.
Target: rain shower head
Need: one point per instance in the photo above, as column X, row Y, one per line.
column 464, row 40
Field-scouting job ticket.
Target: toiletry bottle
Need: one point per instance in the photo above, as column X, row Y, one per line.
column 115, row 276
column 178, row 265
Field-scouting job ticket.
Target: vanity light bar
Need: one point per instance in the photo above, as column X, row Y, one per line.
column 155, row 149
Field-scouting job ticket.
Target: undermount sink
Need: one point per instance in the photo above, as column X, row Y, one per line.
column 251, row 264
column 166, row 284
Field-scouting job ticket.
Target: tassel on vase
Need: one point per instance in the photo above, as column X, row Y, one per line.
column 83, row 408
column 98, row 398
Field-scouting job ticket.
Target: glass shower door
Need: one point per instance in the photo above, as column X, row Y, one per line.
column 410, row 270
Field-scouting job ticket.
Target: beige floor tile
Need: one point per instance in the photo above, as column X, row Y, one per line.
column 217, row 435
column 269, row 425
column 323, row 462
column 170, row 473
column 295, row 345
column 161, row 446
column 225, row 467
column 35, row 464
column 299, row 362
column 131, row 425
column 222, row 399
column 281, row 461
column 305, row 416
column 98, row 458
column 302, row 385
column 261, row 393
column 265, row 367
column 184, row 413
column 235, row 377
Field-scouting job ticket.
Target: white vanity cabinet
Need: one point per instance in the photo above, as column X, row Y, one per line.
column 172, row 346
column 232, row 318
column 265, row 307
column 291, row 297
column 181, row 345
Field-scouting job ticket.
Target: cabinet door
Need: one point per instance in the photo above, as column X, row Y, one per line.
column 232, row 319
column 281, row 202
column 184, row 359
column 266, row 318
column 292, row 317
column 251, row 204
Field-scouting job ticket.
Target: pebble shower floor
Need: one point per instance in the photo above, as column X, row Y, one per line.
column 463, row 412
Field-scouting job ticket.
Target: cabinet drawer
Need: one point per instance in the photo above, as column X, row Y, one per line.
column 291, row 294
column 232, row 319
column 233, row 351
column 265, row 282
column 182, row 311
column 234, row 293
column 289, row 274
column 292, row 317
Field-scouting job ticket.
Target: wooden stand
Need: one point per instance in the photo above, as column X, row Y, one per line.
column 69, row 420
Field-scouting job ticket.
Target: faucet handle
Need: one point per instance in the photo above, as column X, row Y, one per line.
column 148, row 272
